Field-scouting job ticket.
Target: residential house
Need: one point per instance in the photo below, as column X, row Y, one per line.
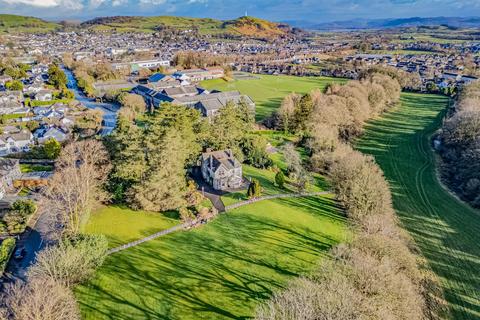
column 221, row 169
column 9, row 172
column 47, row 132
column 11, row 102
column 44, row 95
column 15, row 142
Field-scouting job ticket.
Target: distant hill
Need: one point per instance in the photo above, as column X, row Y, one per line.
column 457, row 22
column 244, row 26
column 14, row 24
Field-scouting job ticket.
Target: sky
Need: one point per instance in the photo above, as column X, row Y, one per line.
column 276, row 10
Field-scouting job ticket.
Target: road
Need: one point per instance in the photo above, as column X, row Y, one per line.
column 109, row 109
column 34, row 239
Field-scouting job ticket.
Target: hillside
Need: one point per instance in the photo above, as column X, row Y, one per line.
column 457, row 22
column 16, row 24
column 244, row 26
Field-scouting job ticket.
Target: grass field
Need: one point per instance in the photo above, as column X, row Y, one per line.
column 222, row 270
column 446, row 230
column 122, row 225
column 17, row 24
column 269, row 91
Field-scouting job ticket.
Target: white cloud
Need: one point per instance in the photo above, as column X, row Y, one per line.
column 68, row 4
column 35, row 3
column 95, row 3
column 117, row 3
column 153, row 2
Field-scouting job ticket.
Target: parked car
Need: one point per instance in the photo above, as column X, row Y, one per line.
column 20, row 253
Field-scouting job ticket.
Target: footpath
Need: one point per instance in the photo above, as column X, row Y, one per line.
column 188, row 225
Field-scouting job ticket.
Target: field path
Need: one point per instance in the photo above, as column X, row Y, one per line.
column 446, row 229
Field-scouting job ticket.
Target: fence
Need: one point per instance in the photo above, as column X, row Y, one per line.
column 274, row 196
column 187, row 225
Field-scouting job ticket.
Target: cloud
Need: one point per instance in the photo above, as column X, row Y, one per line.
column 312, row 10
column 67, row 4
column 116, row 3
column 35, row 3
column 153, row 2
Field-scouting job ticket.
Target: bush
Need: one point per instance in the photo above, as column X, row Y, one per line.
column 6, row 250
column 24, row 207
column 15, row 222
column 280, row 179
column 52, row 148
column 73, row 261
column 254, row 189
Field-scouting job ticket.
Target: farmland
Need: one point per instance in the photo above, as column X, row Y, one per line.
column 268, row 91
column 445, row 229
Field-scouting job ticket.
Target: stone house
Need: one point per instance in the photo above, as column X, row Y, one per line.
column 221, row 169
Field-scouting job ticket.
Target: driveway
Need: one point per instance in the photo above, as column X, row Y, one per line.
column 207, row 190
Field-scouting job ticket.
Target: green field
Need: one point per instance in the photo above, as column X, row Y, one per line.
column 122, row 225
column 268, row 91
column 222, row 270
column 17, row 24
column 446, row 230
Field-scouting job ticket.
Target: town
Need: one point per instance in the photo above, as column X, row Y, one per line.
column 156, row 166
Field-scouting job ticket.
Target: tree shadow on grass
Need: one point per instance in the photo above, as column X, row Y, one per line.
column 221, row 271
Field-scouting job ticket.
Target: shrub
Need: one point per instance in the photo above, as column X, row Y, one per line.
column 73, row 261
column 280, row 179
column 6, row 249
column 15, row 222
column 24, row 207
column 254, row 189
column 52, row 148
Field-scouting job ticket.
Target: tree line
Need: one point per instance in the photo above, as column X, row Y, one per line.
column 378, row 274
column 460, row 146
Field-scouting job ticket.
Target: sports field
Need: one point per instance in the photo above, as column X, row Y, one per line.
column 446, row 230
column 268, row 91
column 222, row 270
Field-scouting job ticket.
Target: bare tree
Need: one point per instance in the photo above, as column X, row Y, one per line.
column 80, row 172
column 40, row 299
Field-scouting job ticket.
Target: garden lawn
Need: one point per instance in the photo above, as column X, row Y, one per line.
column 222, row 270
column 122, row 225
column 268, row 91
column 25, row 167
column 446, row 229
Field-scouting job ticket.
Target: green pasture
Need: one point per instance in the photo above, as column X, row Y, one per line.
column 446, row 229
